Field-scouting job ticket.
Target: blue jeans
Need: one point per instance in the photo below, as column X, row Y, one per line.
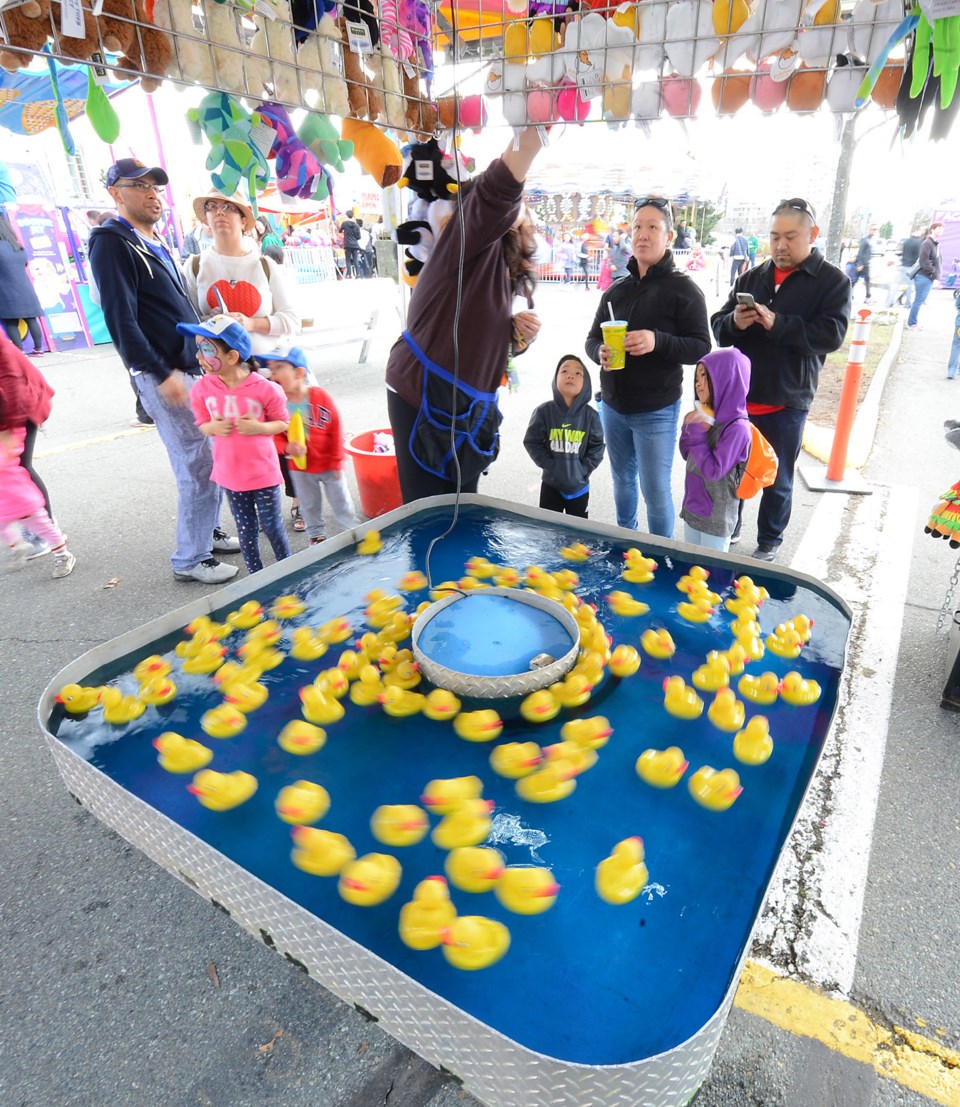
column 784, row 431
column 921, row 286
column 694, row 537
column 260, row 507
column 641, row 448
column 953, row 365
column 198, row 498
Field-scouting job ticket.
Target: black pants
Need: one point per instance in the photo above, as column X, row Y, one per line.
column 353, row 267
column 584, row 265
column 26, row 460
column 12, row 327
column 551, row 500
column 415, row 483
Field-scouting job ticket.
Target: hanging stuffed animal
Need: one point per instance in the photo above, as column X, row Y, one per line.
column 297, row 168
column 227, row 47
column 272, row 58
column 27, row 27
column 234, row 154
column 377, row 154
column 417, row 74
column 361, row 59
column 319, row 133
column 425, row 173
column 944, row 520
column 320, row 53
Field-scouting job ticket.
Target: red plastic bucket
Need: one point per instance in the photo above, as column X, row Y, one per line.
column 377, row 480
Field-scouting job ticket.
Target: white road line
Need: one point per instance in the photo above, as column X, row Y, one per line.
column 810, row 923
column 85, row 442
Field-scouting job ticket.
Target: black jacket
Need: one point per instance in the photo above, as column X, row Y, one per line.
column 864, row 253
column 929, row 258
column 351, row 234
column 18, row 300
column 668, row 303
column 911, row 250
column 142, row 303
column 812, row 309
column 566, row 443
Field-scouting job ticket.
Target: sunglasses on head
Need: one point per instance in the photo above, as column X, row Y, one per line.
column 652, row 202
column 796, row 204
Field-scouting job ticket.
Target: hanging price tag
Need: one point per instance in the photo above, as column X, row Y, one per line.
column 422, row 170
column 71, row 19
column 358, row 38
column 100, row 75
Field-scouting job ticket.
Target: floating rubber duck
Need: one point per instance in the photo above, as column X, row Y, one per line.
column 752, row 646
column 179, row 754
column 319, row 706
column 336, row 630
column 473, row 942
column 753, row 745
column 307, row 645
column 713, row 674
column 597, row 641
column 441, row 705
column 268, row 631
column 480, row 568
column 414, row 581
column 540, row 706
column 425, row 918
column 467, row 825
column 741, row 608
column 399, row 703
column 726, row 712
column 622, row 603
column 554, row 781
column 696, row 611
column 527, row 889
column 565, row 579
column 119, row 709
column 260, row 655
column 158, row 690
column 658, row 643
column 506, row 578
column 302, row 803
column 301, row 738
column 350, row 663
column 573, row 691
column 640, row 568
column 474, row 868
column 803, row 625
column 206, row 660
column 715, row 790
column 397, row 628
column 662, row 768
column 287, row 607
column 380, row 612
column 222, row 791
column 405, row 674
column 443, row 796
column 593, row 733
column 370, row 543
column 571, row 601
column 370, row 879
column 681, row 700
column 515, row 759
column 478, row 726
column 231, row 670
column 762, row 690
column 245, row 697
column 367, row 688
column 699, row 590
column 697, row 575
column 320, row 852
column 534, row 577
column 248, row 615
column 192, row 646
column 622, row 876
column 591, row 664
column 736, row 658
column 399, row 824
column 799, row 692
column 441, row 591
column 203, row 624
column 334, row 682
column 224, row 721
column 151, row 668
column 785, row 641
column 750, row 592
column 576, row 552
column 624, row 661
column 572, row 757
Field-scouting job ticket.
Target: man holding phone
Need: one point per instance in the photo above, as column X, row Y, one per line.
column 786, row 315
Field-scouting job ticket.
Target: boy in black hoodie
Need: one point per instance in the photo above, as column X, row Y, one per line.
column 565, row 439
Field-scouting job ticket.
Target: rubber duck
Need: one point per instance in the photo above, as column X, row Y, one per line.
column 571, row 601
column 506, row 578
column 762, row 690
column 307, row 645
column 397, row 628
column 414, row 581
column 370, row 879
column 715, row 790
column 224, row 721
column 370, row 543
column 287, row 607
column 801, row 693
column 467, row 825
column 572, row 757
column 593, row 733
column 540, row 706
column 480, row 568
column 399, row 824
column 301, row 738
column 803, row 625
column 260, row 655
column 555, row 780
column 320, row 852
column 302, row 803
column 441, row 705
column 740, row 607
column 350, row 663
column 699, row 590
column 231, row 670
column 158, row 690
column 336, row 630
column 752, row 646
column 443, row 796
column 576, row 552
column 713, row 674
column 118, row 709
column 367, row 688
column 334, row 682
column 753, row 745
column 565, row 579
column 424, row 919
column 573, row 691
column 640, row 568
column 661, row 768
column 151, row 667
column 624, row 661
column 268, row 631
column 473, row 942
column 474, row 868
column 591, row 664
column 785, row 641
column 752, row 593
column 248, row 615
column 179, row 754
column 222, row 791
column 206, row 660
column 515, row 759
column 726, row 712
column 697, row 575
column 736, row 658
column 658, row 643
column 527, row 889
column 680, row 700
column 192, row 646
column 745, row 624
column 478, row 726
column 405, row 674
column 622, row 603
column 319, row 706
column 622, row 876
column 380, row 611
column 696, row 611
column 203, row 624
column 534, row 576
column 245, row 697
column 399, row 703
column 441, row 591
column 596, row 640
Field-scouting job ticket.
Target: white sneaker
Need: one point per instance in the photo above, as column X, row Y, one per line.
column 210, row 571
column 225, row 543
column 63, row 563
column 19, row 553
column 38, row 547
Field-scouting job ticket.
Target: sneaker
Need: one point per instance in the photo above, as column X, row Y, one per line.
column 19, row 552
column 37, row 547
column 210, row 571
column 63, row 563
column 317, row 541
column 764, row 553
column 135, row 422
column 225, row 543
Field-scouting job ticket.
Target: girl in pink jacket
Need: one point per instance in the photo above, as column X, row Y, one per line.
column 21, row 505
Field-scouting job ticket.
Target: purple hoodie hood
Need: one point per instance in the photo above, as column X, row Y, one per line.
column 729, row 373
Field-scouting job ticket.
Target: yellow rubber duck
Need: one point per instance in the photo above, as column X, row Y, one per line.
column 750, row 592
column 593, row 733
column 466, row 825
column 565, row 579
column 762, row 690
column 591, row 664
column 151, row 668
column 622, row 603
column 696, row 611
column 742, row 607
column 194, row 645
column 179, row 754
column 260, row 655
column 624, row 661
column 573, row 691
column 206, row 660
column 506, row 578
column 474, row 868
column 224, row 721
column 397, row 628
column 534, row 577
column 473, row 942
column 715, row 790
column 803, row 625
column 480, row 568
column 405, row 674
column 302, row 803
column 319, row 706
column 268, row 631
column 698, row 575
column 414, row 581
column 307, row 645
column 231, row 670
column 527, row 889
column 245, row 697
column 119, row 709
column 745, row 624
column 336, row 630
column 555, row 780
column 367, row 688
column 399, row 824
column 785, row 641
column 641, row 568
column 441, row 705
column 658, row 643
column 442, row 590
column 662, row 768
column 379, row 612
column 571, row 755
column 203, row 624
column 596, row 640
column 713, row 674
column 287, row 607
column 301, row 738
column 752, row 646
column 399, row 703
column 571, row 601
column 334, row 682
column 515, row 759
column 478, row 726
column 753, row 745
column 222, row 791
column 799, row 692
column 370, row 879
column 540, row 706
column 350, row 663
column 247, row 616
column 736, row 658
column 699, row 591
column 320, row 852
column 726, row 712
column 158, row 690
column 680, row 700
column 424, row 919
column 441, row 797
column 370, row 543
column 576, row 552
column 622, row 876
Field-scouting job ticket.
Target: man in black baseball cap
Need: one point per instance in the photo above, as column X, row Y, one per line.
column 132, row 169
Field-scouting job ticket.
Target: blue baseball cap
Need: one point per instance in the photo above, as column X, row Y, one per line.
column 223, row 328
column 131, row 169
column 294, row 355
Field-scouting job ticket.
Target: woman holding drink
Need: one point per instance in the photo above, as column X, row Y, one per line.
column 647, row 327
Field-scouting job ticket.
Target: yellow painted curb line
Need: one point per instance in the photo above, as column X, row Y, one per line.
column 910, row 1059
column 89, row 442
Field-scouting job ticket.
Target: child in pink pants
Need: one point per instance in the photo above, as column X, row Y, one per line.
column 21, row 505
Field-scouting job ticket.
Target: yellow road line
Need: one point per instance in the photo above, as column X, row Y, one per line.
column 910, row 1059
column 89, row 442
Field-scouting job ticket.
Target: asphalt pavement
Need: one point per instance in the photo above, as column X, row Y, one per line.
column 121, row 986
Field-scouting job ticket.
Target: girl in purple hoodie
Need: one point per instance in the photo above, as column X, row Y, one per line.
column 715, row 443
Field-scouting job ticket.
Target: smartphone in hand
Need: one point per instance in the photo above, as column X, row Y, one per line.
column 745, row 299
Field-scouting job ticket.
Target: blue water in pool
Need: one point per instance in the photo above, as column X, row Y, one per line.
column 585, row 982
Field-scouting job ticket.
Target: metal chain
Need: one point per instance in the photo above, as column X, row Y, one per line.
column 946, row 611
